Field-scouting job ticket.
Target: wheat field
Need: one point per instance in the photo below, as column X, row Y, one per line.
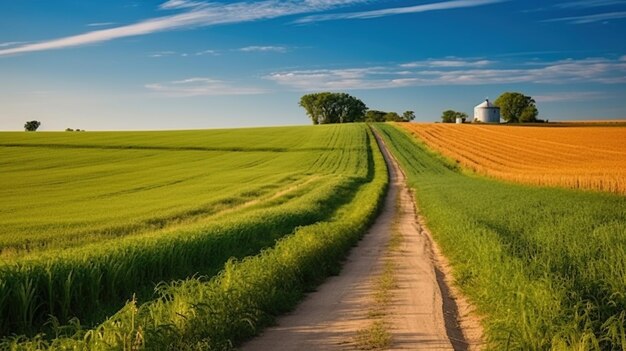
column 578, row 157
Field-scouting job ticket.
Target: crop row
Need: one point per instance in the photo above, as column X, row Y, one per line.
column 218, row 313
column 573, row 157
column 92, row 280
column 545, row 267
column 89, row 279
column 58, row 197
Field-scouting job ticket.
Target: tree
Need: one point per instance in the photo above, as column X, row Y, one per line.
column 326, row 107
column 450, row 116
column 393, row 117
column 31, row 126
column 375, row 116
column 517, row 108
column 408, row 116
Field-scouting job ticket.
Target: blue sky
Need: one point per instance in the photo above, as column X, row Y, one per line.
column 183, row 64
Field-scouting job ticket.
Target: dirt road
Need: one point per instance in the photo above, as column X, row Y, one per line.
column 418, row 315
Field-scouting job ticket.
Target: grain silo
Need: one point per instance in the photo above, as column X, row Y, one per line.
column 487, row 112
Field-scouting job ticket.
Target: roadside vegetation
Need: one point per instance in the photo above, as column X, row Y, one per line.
column 317, row 188
column 545, row 267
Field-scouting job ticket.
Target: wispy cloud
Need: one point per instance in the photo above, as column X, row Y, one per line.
column 600, row 17
column 101, row 24
column 207, row 53
column 448, row 62
column 201, row 86
column 180, row 4
column 211, row 52
column 572, row 96
column 576, row 5
column 194, row 14
column 446, row 5
column 580, row 4
column 592, row 70
column 279, row 49
column 11, row 43
column 535, row 53
column 163, row 54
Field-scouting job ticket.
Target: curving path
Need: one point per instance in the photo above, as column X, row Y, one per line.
column 419, row 315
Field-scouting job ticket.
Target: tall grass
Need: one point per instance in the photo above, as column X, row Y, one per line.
column 61, row 190
column 92, row 278
column 546, row 267
column 218, row 313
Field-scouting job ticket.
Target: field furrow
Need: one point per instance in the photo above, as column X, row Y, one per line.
column 579, row 157
column 89, row 222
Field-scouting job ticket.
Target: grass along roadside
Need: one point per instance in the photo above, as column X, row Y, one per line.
column 545, row 267
column 92, row 280
column 218, row 313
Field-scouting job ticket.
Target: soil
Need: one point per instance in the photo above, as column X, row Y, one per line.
column 425, row 311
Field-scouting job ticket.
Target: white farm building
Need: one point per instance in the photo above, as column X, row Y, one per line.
column 487, row 112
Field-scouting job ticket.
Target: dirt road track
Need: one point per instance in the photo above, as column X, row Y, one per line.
column 420, row 316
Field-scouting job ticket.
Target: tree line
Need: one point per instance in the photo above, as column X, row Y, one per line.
column 327, row 107
column 514, row 108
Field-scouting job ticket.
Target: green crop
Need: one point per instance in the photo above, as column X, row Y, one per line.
column 219, row 312
column 91, row 219
column 545, row 267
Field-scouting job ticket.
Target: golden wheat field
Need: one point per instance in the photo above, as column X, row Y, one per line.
column 572, row 156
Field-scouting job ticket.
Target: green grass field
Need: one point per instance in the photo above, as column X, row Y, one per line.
column 545, row 267
column 89, row 219
column 214, row 233
column 67, row 189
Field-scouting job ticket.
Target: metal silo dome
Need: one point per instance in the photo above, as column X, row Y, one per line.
column 487, row 112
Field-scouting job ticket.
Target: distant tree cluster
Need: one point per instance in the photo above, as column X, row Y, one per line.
column 382, row 116
column 326, row 107
column 517, row 108
column 514, row 108
column 450, row 116
column 31, row 126
column 74, row 130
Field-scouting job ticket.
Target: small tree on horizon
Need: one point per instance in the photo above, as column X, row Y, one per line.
column 517, row 108
column 408, row 116
column 393, row 117
column 327, row 107
column 31, row 126
column 450, row 116
column 375, row 116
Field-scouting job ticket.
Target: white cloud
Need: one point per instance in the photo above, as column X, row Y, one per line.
column 447, row 62
column 569, row 96
column 446, row 5
column 590, row 18
column 195, row 14
column 592, row 70
column 201, row 86
column 11, row 43
column 163, row 53
column 588, row 3
column 207, row 53
column 180, row 4
column 279, row 49
column 101, row 24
